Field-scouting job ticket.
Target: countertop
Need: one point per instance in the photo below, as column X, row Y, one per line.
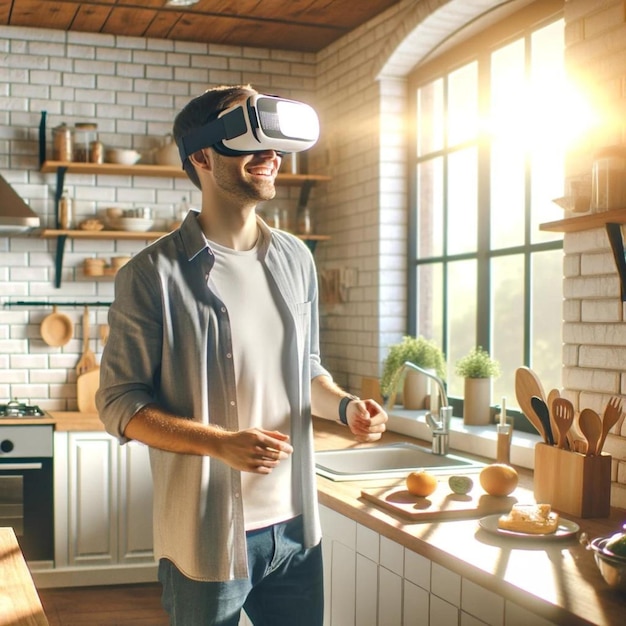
column 19, row 603
column 558, row 580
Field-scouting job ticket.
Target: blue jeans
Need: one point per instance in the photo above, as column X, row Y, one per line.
column 284, row 588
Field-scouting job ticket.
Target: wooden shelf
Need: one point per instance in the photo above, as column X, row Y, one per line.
column 148, row 235
column 612, row 222
column 586, row 222
column 161, row 171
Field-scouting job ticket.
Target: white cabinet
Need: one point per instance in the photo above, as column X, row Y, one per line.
column 103, row 501
column 370, row 580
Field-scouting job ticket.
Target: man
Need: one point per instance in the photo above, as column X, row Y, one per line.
column 213, row 361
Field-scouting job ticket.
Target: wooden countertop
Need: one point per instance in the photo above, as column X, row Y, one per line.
column 61, row 420
column 19, row 603
column 558, row 580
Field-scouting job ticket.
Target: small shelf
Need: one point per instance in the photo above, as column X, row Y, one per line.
column 161, row 171
column 586, row 222
column 148, row 235
column 612, row 222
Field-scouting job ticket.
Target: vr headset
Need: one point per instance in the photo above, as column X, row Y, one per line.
column 260, row 123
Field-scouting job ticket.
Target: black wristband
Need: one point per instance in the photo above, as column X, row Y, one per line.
column 343, row 405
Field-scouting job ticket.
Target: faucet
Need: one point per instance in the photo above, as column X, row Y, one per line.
column 440, row 428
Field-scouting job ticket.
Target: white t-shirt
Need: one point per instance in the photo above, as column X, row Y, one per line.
column 259, row 340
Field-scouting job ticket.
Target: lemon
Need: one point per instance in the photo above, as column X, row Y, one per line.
column 498, row 479
column 421, row 483
column 460, row 484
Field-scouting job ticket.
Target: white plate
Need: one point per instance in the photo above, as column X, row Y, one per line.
column 566, row 528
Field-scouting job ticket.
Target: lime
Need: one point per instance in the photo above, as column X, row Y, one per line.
column 460, row 484
column 617, row 544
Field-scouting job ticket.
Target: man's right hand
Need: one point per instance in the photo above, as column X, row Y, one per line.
column 253, row 450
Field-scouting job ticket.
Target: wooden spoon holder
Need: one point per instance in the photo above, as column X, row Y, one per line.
column 573, row 483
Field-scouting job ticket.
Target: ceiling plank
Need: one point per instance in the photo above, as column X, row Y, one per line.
column 58, row 15
column 91, row 18
column 129, row 22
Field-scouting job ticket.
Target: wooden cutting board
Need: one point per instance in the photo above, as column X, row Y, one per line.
column 443, row 504
column 86, row 386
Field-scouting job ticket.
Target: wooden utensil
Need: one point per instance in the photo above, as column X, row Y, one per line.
column 563, row 413
column 56, row 329
column 553, row 394
column 541, row 409
column 590, row 424
column 87, row 360
column 525, row 389
column 612, row 414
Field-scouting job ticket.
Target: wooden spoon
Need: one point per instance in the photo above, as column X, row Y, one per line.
column 525, row 389
column 87, row 360
column 612, row 414
column 563, row 412
column 591, row 426
column 541, row 409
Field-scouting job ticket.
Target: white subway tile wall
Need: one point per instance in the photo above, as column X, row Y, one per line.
column 132, row 88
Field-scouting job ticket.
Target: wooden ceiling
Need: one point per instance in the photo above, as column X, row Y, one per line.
column 303, row 25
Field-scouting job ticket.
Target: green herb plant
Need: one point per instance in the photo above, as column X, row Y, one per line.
column 477, row 364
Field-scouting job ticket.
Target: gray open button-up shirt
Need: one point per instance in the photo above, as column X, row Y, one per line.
column 170, row 343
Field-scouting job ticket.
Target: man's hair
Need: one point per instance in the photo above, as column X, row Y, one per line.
column 201, row 110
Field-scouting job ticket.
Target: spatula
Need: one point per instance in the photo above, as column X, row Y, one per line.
column 590, row 425
column 553, row 394
column 87, row 360
column 541, row 409
column 612, row 414
column 563, row 414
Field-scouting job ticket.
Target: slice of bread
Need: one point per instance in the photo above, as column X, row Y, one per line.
column 534, row 519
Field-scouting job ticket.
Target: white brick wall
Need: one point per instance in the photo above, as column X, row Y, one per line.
column 132, row 88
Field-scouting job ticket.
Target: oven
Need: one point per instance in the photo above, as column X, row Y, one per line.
column 26, row 481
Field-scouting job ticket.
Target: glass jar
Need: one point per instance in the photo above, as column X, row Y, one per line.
column 66, row 211
column 608, row 180
column 62, row 143
column 305, row 221
column 84, row 135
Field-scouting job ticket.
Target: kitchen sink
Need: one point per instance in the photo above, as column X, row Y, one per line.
column 394, row 460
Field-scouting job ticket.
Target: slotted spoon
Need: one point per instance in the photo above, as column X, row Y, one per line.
column 590, row 425
column 563, row 415
column 612, row 414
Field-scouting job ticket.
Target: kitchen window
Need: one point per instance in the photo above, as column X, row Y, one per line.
column 487, row 160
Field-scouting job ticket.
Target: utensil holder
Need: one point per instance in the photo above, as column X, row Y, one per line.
column 571, row 482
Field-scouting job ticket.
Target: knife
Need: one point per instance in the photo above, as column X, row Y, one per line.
column 543, row 413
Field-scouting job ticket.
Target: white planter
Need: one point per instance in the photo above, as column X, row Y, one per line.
column 477, row 401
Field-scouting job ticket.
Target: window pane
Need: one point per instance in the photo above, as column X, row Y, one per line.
column 507, row 323
column 462, row 201
column 548, row 143
column 507, row 196
column 547, row 281
column 430, row 117
column 430, row 208
column 462, row 285
column 430, row 305
column 463, row 104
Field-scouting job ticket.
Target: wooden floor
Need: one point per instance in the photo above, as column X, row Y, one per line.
column 123, row 605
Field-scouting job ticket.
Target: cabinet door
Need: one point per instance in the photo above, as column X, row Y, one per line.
column 92, row 473
column 135, row 504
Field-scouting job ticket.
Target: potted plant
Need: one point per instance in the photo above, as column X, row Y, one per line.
column 420, row 351
column 478, row 369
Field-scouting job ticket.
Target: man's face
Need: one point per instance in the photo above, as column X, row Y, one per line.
column 249, row 177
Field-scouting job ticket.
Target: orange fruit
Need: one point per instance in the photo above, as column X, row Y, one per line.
column 421, row 483
column 498, row 479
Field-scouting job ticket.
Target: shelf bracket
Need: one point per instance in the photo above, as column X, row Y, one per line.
column 614, row 232
column 58, row 263
column 42, row 139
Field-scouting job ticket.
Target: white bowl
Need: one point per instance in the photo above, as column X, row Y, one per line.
column 135, row 224
column 121, row 156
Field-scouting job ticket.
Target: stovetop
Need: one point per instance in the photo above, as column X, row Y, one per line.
column 15, row 408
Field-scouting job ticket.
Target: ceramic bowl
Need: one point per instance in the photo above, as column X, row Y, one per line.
column 121, row 156
column 612, row 568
